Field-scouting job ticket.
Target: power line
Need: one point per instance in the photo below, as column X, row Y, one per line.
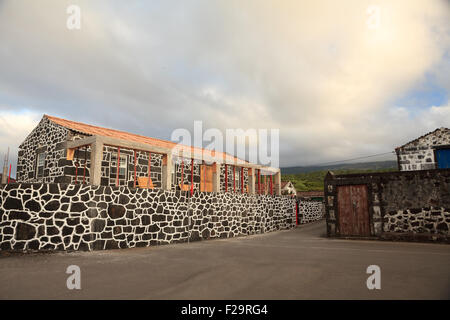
column 359, row 158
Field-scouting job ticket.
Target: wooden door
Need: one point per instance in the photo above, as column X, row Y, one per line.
column 206, row 178
column 353, row 210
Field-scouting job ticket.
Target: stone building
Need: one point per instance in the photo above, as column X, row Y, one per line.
column 63, row 151
column 430, row 151
column 400, row 205
column 287, row 188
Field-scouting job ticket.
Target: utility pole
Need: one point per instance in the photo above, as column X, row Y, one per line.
column 5, row 168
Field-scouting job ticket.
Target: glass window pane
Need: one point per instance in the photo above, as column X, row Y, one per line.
column 123, row 165
column 41, row 159
column 40, row 164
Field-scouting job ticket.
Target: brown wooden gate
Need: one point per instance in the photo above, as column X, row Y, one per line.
column 353, row 210
column 206, row 180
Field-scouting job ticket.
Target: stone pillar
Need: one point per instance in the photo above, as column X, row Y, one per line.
column 4, row 175
column 278, row 183
column 251, row 181
column 95, row 171
column 216, row 177
column 167, row 165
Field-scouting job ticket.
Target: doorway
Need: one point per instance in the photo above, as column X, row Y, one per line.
column 353, row 210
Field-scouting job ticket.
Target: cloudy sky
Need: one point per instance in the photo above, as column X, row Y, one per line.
column 334, row 81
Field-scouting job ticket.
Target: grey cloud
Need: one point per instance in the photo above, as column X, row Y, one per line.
column 309, row 68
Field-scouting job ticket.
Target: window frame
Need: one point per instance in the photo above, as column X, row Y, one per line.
column 174, row 173
column 40, row 163
column 121, row 166
column 125, row 165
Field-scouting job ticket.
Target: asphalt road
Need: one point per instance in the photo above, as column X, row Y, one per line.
column 294, row 264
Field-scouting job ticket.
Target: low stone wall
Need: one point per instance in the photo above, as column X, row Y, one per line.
column 82, row 217
column 310, row 211
column 403, row 205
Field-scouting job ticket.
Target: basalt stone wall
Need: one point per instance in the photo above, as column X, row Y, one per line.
column 83, row 217
column 310, row 211
column 412, row 205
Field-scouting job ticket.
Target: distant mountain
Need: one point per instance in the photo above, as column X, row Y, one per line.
column 376, row 165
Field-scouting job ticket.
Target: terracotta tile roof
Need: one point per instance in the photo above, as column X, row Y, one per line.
column 95, row 130
column 284, row 183
column 307, row 194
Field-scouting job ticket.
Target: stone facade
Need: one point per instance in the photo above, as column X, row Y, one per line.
column 83, row 217
column 49, row 138
column 403, row 205
column 52, row 139
column 310, row 211
column 419, row 154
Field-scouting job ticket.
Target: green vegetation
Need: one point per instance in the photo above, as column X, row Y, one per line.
column 313, row 181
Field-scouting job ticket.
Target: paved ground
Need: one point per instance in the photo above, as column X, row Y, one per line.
column 295, row 264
